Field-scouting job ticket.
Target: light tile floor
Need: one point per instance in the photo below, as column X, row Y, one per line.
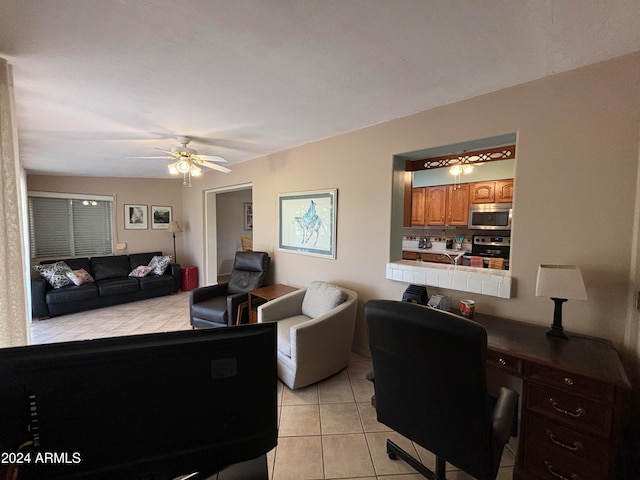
column 326, row 431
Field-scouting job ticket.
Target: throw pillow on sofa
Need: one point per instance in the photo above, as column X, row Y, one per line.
column 55, row 273
column 141, row 271
column 79, row 277
column 159, row 264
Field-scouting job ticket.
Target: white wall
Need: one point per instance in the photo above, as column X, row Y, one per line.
column 576, row 170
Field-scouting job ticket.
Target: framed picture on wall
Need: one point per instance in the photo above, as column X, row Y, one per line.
column 248, row 216
column 308, row 223
column 135, row 217
column 160, row 217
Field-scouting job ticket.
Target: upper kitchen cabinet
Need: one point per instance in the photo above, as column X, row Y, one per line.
column 504, row 191
column 436, row 206
column 418, row 206
column 458, row 205
column 499, row 191
column 440, row 205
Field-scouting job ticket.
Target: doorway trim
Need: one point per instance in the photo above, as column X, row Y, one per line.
column 211, row 229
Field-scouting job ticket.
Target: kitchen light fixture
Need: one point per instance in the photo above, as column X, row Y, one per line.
column 560, row 283
column 174, row 227
column 456, row 170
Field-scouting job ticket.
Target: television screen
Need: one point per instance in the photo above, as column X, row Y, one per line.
column 149, row 407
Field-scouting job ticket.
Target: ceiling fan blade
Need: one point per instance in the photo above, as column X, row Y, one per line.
column 214, row 166
column 173, row 154
column 212, row 158
column 165, row 157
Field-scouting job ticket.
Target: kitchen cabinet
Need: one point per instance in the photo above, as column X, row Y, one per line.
column 498, row 191
column 418, row 196
column 458, row 205
column 435, row 258
column 504, row 191
column 440, row 205
column 410, row 255
column 448, row 205
column 436, row 205
column 425, row 257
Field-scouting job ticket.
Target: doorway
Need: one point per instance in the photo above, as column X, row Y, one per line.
column 225, row 222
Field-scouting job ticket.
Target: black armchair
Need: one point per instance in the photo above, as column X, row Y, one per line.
column 430, row 386
column 217, row 305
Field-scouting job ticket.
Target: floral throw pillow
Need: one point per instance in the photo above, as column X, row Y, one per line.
column 159, row 264
column 55, row 273
column 79, row 277
column 141, row 271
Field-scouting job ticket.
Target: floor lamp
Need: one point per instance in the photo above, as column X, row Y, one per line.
column 173, row 228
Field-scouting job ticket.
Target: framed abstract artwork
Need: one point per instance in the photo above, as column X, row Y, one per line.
column 135, row 217
column 160, row 217
column 308, row 223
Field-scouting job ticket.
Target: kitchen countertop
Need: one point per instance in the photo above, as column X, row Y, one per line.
column 450, row 251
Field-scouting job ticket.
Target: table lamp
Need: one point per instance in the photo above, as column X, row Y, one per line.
column 173, row 228
column 560, row 283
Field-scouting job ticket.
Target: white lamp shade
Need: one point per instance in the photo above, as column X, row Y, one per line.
column 174, row 227
column 560, row 281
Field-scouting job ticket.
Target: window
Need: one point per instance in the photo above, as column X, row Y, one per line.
column 62, row 225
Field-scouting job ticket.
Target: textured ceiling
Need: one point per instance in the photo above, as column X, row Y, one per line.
column 100, row 80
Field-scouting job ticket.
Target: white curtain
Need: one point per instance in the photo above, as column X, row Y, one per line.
column 14, row 309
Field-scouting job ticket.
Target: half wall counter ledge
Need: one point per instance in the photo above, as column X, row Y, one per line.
column 491, row 282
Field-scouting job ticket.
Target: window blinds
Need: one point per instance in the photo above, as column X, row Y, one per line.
column 69, row 227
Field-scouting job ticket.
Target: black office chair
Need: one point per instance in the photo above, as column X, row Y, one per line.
column 430, row 386
column 217, row 305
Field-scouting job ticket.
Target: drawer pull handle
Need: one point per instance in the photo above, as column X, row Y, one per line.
column 502, row 361
column 568, row 381
column 578, row 413
column 557, row 475
column 576, row 445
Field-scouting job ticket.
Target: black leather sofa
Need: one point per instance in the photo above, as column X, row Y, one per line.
column 112, row 285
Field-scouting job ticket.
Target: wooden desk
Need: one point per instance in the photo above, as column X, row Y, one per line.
column 262, row 295
column 572, row 399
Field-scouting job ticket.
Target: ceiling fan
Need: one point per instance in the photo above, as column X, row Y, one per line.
column 188, row 161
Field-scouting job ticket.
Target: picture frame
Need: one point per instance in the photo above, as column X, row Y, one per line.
column 308, row 223
column 160, row 217
column 135, row 217
column 248, row 216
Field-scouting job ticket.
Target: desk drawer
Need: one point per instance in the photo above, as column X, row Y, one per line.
column 547, row 465
column 564, row 442
column 573, row 411
column 572, row 383
column 504, row 362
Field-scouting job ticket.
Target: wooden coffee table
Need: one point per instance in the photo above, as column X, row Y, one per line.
column 262, row 295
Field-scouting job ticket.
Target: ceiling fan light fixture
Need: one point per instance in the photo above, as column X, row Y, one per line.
column 173, row 170
column 195, row 171
column 455, row 170
column 183, row 166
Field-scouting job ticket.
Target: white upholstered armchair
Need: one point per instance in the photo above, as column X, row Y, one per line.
column 315, row 331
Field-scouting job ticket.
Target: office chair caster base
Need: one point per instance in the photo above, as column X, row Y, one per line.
column 395, row 452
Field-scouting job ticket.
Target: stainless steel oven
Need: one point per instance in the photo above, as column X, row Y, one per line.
column 490, row 246
column 490, row 216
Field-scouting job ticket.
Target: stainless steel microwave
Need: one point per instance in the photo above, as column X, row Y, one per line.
column 490, row 216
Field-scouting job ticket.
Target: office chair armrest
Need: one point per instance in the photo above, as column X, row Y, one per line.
column 504, row 412
column 286, row 306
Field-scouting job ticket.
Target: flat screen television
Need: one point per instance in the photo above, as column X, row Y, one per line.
column 150, row 407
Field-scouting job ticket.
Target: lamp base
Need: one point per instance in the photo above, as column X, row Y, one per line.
column 556, row 328
column 558, row 333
